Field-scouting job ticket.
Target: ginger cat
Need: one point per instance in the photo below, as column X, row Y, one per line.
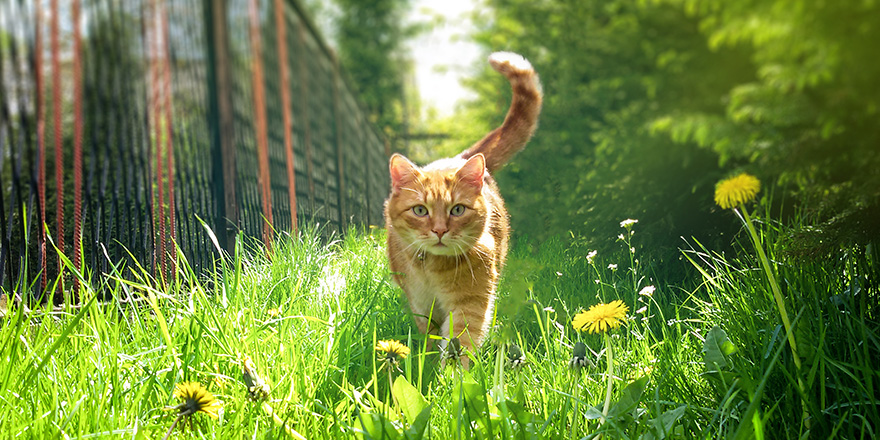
column 447, row 226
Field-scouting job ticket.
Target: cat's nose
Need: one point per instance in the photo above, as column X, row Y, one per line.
column 440, row 230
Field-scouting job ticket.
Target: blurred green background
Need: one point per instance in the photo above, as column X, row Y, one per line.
column 647, row 105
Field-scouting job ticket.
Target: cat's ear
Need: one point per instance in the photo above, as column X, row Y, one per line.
column 472, row 171
column 402, row 171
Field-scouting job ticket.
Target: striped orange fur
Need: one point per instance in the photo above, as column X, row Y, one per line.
column 447, row 226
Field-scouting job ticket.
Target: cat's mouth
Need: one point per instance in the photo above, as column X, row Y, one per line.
column 441, row 247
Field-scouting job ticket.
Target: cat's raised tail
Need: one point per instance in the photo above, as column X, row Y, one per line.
column 504, row 142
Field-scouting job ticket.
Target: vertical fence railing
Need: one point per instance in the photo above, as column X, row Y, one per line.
column 286, row 109
column 157, row 115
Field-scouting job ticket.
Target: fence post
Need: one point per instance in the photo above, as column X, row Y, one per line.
column 304, row 108
column 77, row 146
column 41, row 147
column 340, row 151
column 368, row 175
column 221, row 124
column 281, row 36
column 57, row 131
column 260, row 122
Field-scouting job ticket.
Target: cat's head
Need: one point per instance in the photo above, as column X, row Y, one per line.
column 438, row 209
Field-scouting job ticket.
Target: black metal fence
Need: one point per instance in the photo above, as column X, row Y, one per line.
column 122, row 122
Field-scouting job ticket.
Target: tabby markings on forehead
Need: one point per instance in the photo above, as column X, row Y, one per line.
column 433, row 196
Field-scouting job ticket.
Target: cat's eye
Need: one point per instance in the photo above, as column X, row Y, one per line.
column 457, row 210
column 420, row 210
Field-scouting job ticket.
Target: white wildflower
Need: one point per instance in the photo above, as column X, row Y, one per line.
column 592, row 256
column 628, row 223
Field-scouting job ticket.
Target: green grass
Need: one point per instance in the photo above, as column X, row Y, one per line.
column 702, row 361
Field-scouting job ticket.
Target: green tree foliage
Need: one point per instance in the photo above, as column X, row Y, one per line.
column 369, row 36
column 809, row 117
column 649, row 103
column 608, row 69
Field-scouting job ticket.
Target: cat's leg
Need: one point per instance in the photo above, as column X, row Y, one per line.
column 426, row 314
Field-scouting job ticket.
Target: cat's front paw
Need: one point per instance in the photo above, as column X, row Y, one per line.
column 511, row 64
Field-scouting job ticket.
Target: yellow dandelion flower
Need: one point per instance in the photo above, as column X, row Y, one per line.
column 393, row 351
column 601, row 317
column 195, row 398
column 737, row 190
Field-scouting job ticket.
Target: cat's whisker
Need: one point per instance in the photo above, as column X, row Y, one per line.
column 468, row 259
column 457, row 265
column 415, row 243
column 458, row 258
column 480, row 250
column 464, row 254
column 484, row 255
column 404, row 250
